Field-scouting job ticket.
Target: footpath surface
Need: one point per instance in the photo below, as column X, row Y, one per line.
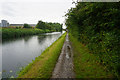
column 64, row 66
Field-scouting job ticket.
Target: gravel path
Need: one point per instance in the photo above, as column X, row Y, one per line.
column 64, row 66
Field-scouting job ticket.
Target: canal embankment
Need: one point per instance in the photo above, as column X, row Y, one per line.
column 17, row 53
column 43, row 66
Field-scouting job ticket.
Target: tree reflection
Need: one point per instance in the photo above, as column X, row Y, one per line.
column 27, row 38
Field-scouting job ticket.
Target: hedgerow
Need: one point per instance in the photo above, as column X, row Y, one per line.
column 97, row 25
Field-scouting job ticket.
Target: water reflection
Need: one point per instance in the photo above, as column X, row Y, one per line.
column 26, row 39
column 11, row 40
column 18, row 53
column 41, row 38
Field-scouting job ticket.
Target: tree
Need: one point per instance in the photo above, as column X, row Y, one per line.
column 41, row 25
column 26, row 26
column 50, row 26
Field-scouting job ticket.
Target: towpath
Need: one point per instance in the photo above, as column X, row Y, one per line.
column 64, row 66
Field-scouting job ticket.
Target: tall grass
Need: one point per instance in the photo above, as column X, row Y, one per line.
column 86, row 64
column 43, row 65
column 13, row 33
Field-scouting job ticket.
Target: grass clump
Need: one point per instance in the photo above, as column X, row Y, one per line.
column 86, row 64
column 43, row 65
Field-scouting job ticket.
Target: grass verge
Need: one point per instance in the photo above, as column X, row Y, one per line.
column 86, row 64
column 43, row 65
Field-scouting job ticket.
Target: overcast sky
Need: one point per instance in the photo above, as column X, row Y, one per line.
column 30, row 11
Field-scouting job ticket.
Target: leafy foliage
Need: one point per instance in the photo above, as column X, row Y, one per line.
column 97, row 25
column 27, row 26
column 50, row 26
column 90, row 68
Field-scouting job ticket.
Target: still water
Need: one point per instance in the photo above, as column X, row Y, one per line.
column 18, row 53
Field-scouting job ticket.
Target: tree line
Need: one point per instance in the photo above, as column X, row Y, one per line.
column 97, row 25
column 41, row 27
column 46, row 26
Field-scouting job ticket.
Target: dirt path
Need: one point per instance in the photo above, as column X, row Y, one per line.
column 64, row 66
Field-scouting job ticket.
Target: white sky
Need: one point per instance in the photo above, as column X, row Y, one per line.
column 31, row 11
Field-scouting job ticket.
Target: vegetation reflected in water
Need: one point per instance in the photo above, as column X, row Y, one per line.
column 18, row 53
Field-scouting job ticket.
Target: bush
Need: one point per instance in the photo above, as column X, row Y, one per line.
column 97, row 25
column 27, row 26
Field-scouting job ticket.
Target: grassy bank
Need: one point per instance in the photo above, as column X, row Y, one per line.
column 43, row 65
column 14, row 33
column 86, row 64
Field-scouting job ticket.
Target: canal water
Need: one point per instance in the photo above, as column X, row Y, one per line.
column 18, row 53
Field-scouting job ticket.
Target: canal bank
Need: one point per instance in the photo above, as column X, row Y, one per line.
column 42, row 66
column 18, row 53
column 10, row 33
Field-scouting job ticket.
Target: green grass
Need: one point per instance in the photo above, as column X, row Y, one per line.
column 13, row 33
column 43, row 65
column 86, row 64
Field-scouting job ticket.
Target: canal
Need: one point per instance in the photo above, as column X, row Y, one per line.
column 18, row 53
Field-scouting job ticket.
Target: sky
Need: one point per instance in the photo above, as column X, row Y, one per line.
column 31, row 11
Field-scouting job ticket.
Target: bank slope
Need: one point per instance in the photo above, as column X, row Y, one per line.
column 43, row 65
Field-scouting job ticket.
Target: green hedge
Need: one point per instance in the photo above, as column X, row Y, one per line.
column 97, row 25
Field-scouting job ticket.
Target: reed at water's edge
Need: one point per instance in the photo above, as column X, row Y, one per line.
column 8, row 33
